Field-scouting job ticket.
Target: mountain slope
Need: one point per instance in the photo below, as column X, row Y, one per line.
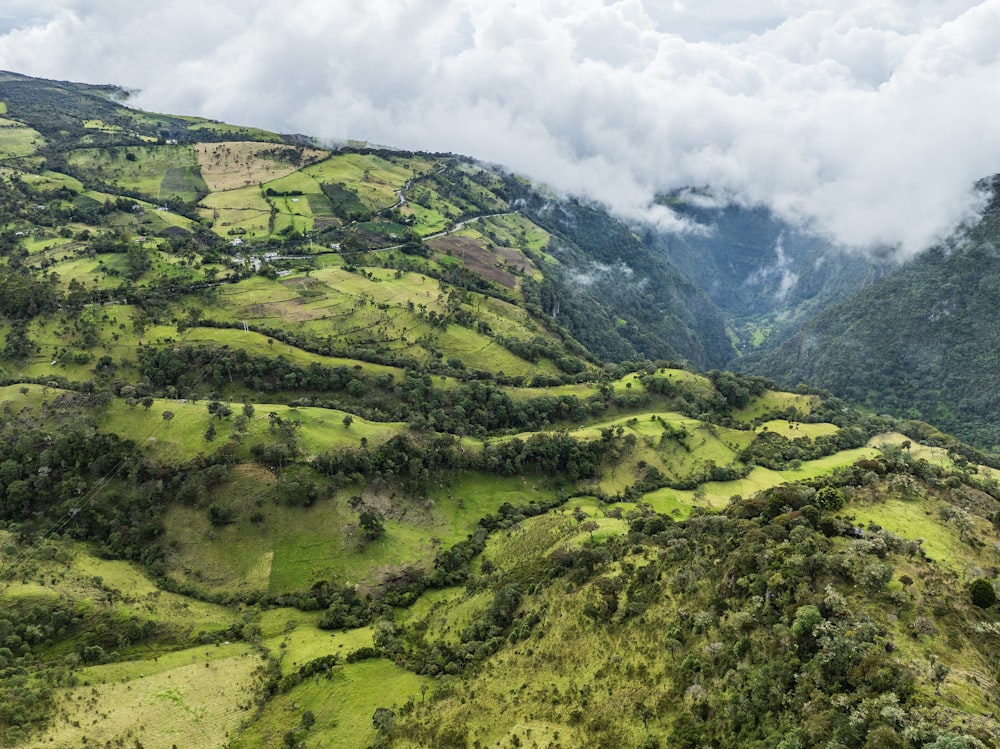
column 922, row 342
column 331, row 449
column 763, row 274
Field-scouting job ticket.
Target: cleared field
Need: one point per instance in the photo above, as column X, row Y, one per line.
column 294, row 215
column 257, row 344
column 795, row 429
column 199, row 699
column 46, row 181
column 244, row 210
column 237, row 164
column 936, row 455
column 774, row 402
column 182, row 437
column 920, row 520
column 342, row 703
column 717, row 493
column 17, row 140
column 301, row 643
column 158, row 171
column 501, row 265
column 197, row 123
column 374, row 179
column 379, row 310
column 271, row 546
column 426, row 220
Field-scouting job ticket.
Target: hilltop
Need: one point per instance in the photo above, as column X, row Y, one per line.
column 375, row 448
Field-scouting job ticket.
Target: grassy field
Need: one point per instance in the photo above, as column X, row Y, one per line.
column 48, row 180
column 382, row 311
column 716, row 494
column 17, row 140
column 290, row 548
column 374, row 179
column 795, row 429
column 157, row 171
column 776, row 402
column 342, row 704
column 240, row 209
column 197, row 697
column 302, row 641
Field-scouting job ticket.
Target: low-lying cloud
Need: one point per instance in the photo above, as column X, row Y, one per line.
column 866, row 120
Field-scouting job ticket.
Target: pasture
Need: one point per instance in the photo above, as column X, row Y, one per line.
column 243, row 210
column 342, row 702
column 157, row 171
column 235, row 165
column 17, row 140
column 197, row 697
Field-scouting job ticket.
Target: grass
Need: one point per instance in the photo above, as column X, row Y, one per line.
column 775, row 402
column 794, row 429
column 199, row 699
column 920, row 520
column 17, row 140
column 342, row 704
column 716, row 494
column 239, row 164
column 290, row 548
column 244, row 210
column 48, row 180
column 256, row 344
column 301, row 642
column 157, row 171
column 358, row 311
column 373, row 178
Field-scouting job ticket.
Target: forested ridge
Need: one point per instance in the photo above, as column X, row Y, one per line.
column 920, row 343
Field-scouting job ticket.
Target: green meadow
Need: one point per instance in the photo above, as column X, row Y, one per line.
column 242, row 210
column 158, row 171
column 17, row 140
column 342, row 703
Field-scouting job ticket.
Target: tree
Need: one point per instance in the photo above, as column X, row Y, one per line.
column 348, row 420
column 168, row 416
column 219, row 516
column 383, row 719
column 982, row 593
column 146, row 402
column 372, row 523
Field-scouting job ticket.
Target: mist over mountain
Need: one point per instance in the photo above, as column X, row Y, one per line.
column 867, row 124
column 922, row 342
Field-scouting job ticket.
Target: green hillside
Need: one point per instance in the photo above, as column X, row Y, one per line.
column 372, row 448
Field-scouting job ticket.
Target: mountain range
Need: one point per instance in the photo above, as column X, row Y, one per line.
column 369, row 447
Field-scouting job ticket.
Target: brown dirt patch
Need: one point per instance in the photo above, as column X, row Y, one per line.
column 492, row 263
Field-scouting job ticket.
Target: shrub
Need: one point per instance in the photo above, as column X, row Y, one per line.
column 982, row 593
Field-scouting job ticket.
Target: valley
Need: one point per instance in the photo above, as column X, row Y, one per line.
column 364, row 447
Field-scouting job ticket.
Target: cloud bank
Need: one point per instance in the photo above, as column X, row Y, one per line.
column 867, row 120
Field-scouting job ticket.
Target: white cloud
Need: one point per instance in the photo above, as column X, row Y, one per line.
column 867, row 119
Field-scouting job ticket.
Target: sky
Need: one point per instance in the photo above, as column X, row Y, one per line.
column 868, row 121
